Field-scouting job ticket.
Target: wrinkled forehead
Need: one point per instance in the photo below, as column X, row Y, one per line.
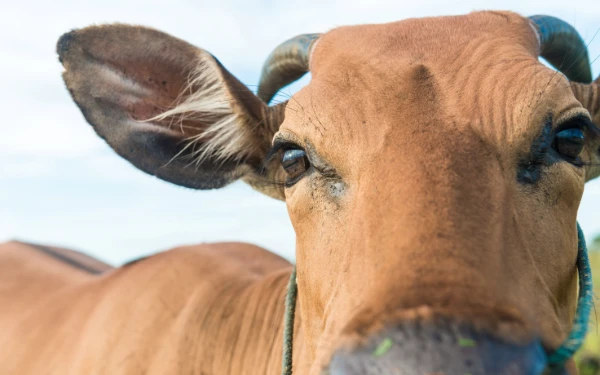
column 435, row 41
column 429, row 69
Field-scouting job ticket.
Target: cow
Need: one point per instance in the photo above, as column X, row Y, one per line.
column 432, row 170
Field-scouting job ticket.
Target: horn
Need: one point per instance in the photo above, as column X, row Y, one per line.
column 562, row 46
column 286, row 64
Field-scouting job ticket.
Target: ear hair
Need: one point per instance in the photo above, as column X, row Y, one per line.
column 227, row 136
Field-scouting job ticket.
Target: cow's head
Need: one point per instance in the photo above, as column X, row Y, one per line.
column 432, row 170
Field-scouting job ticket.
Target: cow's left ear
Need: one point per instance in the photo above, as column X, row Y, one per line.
column 589, row 96
column 169, row 108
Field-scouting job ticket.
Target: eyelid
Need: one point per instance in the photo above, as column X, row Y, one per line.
column 578, row 116
column 279, row 145
column 582, row 122
column 570, row 115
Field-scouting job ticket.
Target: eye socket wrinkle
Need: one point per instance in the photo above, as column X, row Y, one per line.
column 542, row 144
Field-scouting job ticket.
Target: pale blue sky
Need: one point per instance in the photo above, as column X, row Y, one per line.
column 59, row 182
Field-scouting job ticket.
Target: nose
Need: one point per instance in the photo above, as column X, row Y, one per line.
column 417, row 349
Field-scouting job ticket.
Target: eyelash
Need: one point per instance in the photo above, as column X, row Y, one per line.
column 277, row 148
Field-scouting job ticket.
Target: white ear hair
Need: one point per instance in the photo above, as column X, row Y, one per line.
column 203, row 99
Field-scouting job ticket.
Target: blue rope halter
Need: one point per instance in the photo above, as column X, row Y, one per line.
column 556, row 359
column 584, row 307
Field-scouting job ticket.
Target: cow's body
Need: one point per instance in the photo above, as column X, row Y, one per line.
column 207, row 309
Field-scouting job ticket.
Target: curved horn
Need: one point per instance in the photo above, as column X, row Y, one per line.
column 287, row 63
column 562, row 46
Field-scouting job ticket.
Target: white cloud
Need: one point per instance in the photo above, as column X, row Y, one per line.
column 60, row 183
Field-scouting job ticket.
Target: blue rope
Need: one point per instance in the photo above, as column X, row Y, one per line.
column 584, row 307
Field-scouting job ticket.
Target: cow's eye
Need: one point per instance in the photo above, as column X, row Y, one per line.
column 569, row 143
column 295, row 162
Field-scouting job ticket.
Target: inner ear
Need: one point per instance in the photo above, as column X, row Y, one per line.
column 169, row 108
column 145, row 81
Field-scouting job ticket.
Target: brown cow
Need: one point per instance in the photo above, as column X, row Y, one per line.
column 432, row 170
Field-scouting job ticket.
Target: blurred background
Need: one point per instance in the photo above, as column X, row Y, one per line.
column 60, row 183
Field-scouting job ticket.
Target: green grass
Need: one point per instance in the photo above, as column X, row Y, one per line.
column 588, row 357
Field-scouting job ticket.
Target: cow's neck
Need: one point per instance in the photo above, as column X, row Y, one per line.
column 241, row 329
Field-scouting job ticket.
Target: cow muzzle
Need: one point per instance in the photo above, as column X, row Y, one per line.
column 438, row 349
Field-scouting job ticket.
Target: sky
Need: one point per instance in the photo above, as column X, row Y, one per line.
column 60, row 184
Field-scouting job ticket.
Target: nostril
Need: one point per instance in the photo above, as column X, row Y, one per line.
column 449, row 350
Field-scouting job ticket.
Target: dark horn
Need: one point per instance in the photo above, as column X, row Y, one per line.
column 286, row 64
column 563, row 48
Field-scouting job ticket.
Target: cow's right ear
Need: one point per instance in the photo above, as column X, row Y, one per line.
column 169, row 108
column 589, row 96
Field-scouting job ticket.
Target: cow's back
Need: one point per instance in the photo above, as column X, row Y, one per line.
column 129, row 320
column 31, row 273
